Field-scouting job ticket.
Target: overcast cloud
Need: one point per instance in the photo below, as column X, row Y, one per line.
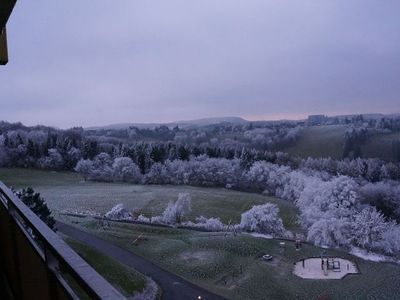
column 99, row 62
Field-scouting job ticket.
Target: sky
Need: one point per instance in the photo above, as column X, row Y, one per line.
column 86, row 63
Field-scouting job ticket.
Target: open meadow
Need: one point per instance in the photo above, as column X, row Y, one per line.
column 65, row 191
column 319, row 141
column 328, row 141
column 380, row 145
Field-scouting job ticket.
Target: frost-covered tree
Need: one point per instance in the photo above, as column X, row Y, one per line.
column 368, row 227
column 102, row 168
column 118, row 212
column 390, row 171
column 390, row 242
column 84, row 167
column 72, row 157
column 102, row 160
column 263, row 219
column 295, row 185
column 124, row 169
column 209, row 224
column 174, row 212
column 53, row 160
column 326, row 200
column 267, row 177
column 330, row 232
column 157, row 174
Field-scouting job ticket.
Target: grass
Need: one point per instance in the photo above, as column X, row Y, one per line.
column 319, row 141
column 66, row 191
column 126, row 280
column 380, row 145
column 231, row 266
column 328, row 141
column 227, row 265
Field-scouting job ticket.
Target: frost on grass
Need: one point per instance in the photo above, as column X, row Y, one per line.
column 118, row 212
column 150, row 292
column 261, row 235
column 364, row 254
column 83, row 213
column 202, row 256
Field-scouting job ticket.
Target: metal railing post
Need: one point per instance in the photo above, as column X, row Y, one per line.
column 12, row 227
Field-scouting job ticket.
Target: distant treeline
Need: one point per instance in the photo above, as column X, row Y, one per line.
column 49, row 148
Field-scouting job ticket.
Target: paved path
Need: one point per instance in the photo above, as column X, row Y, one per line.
column 173, row 287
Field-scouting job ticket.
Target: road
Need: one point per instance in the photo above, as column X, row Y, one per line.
column 173, row 287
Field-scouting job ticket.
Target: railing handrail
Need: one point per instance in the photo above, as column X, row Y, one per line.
column 93, row 284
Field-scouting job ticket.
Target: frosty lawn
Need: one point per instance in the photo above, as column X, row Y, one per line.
column 232, row 266
column 65, row 191
column 227, row 265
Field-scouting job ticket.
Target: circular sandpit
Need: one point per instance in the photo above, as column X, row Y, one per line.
column 324, row 268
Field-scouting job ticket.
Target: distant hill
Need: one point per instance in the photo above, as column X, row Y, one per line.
column 210, row 121
column 219, row 120
column 183, row 123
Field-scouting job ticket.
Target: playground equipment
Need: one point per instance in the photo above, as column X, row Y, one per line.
column 298, row 244
column 333, row 264
column 327, row 267
column 330, row 264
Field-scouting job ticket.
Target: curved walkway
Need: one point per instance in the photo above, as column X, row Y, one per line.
column 173, row 287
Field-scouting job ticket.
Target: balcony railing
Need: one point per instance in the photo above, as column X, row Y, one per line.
column 37, row 263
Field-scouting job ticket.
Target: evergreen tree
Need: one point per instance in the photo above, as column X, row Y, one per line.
column 396, row 149
column 37, row 205
column 183, row 154
column 30, row 149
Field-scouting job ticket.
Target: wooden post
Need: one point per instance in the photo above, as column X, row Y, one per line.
column 3, row 47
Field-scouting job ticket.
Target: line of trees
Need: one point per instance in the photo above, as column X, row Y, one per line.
column 335, row 211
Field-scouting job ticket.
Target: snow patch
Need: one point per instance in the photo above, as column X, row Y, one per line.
column 261, row 235
column 371, row 256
